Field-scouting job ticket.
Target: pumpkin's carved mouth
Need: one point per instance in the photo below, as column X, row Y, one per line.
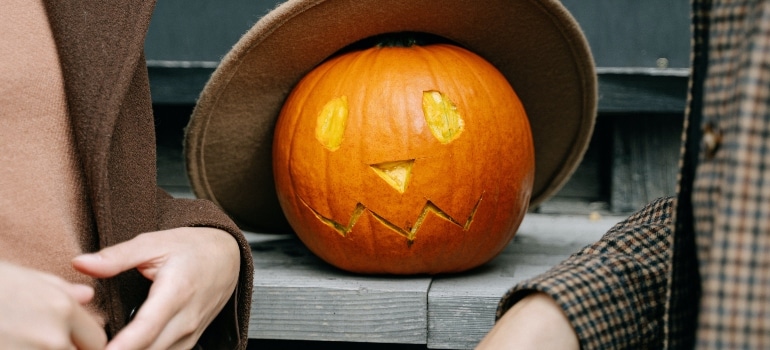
column 410, row 233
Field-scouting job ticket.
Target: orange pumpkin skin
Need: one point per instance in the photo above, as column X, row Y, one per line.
column 460, row 182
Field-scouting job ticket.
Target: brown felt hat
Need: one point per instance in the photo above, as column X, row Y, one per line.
column 536, row 44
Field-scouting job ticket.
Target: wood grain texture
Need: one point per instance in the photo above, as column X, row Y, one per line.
column 637, row 92
column 645, row 159
column 299, row 297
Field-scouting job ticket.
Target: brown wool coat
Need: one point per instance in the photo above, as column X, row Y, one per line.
column 100, row 46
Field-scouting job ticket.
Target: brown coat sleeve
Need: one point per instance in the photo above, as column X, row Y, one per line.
column 229, row 329
column 100, row 45
column 613, row 291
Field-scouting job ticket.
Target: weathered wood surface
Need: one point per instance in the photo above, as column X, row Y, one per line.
column 645, row 159
column 632, row 92
column 297, row 296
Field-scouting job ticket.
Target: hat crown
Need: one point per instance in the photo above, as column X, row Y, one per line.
column 536, row 44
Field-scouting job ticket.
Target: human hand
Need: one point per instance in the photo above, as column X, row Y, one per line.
column 194, row 273
column 535, row 322
column 43, row 311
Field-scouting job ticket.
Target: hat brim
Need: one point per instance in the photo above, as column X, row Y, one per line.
column 536, row 44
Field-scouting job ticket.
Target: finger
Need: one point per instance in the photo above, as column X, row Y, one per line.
column 154, row 316
column 121, row 257
column 82, row 293
column 86, row 333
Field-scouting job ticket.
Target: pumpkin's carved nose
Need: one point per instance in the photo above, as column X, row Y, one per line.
column 396, row 173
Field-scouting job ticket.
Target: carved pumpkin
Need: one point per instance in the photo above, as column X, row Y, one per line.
column 404, row 160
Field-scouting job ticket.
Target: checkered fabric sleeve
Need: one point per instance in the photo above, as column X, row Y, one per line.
column 613, row 291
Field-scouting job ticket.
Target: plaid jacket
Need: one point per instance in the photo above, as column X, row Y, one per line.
column 691, row 271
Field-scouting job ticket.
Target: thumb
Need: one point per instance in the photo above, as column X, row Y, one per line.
column 96, row 266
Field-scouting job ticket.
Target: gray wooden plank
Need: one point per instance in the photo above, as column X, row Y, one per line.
column 645, row 159
column 461, row 308
column 201, row 30
column 638, row 92
column 633, row 33
column 297, row 296
column 621, row 33
column 624, row 93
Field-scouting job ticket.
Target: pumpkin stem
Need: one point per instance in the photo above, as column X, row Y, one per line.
column 408, row 39
column 397, row 39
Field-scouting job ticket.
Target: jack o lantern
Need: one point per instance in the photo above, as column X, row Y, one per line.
column 404, row 159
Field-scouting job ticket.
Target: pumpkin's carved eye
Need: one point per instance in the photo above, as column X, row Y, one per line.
column 331, row 123
column 441, row 116
column 440, row 113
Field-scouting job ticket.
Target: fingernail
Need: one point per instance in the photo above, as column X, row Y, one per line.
column 88, row 257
